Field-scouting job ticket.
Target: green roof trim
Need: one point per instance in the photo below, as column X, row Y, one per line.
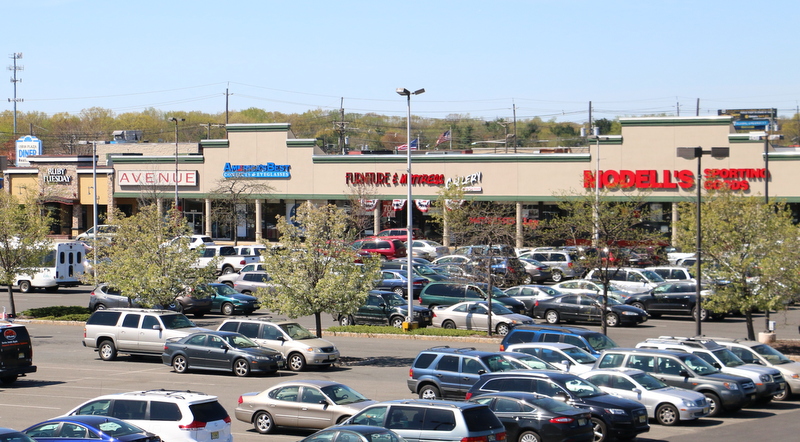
column 214, row 143
column 456, row 158
column 607, row 140
column 676, row 121
column 259, row 127
column 301, row 142
column 783, row 156
column 142, row 159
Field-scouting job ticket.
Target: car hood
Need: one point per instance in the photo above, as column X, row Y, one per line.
column 259, row 351
column 608, row 401
column 759, row 369
column 404, row 309
column 522, row 319
column 315, row 342
column 675, row 392
column 626, row 308
column 243, row 297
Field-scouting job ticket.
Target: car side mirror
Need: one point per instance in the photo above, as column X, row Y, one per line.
column 561, row 396
column 684, row 373
column 481, row 372
column 567, row 364
column 717, row 366
column 637, row 391
column 156, row 327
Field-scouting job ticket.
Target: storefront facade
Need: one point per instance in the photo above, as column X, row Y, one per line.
column 643, row 158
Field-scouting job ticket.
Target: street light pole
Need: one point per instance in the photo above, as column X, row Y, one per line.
column 176, row 120
column 94, row 207
column 690, row 153
column 409, row 208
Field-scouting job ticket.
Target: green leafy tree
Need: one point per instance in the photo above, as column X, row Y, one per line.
column 23, row 240
column 230, row 195
column 314, row 271
column 752, row 245
column 144, row 263
column 609, row 229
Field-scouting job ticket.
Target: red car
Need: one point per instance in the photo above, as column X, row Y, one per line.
column 401, row 234
column 386, row 248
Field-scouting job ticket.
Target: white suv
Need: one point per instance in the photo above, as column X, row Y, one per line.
column 176, row 416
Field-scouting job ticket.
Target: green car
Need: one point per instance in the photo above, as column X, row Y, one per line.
column 228, row 301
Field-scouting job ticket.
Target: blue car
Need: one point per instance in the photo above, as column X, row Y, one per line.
column 397, row 281
column 226, row 300
column 88, row 428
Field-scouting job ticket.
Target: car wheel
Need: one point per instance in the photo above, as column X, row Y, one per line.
column 612, row 320
column 25, row 287
column 399, row 291
column 107, row 350
column 552, row 317
column 557, row 276
column 703, row 314
column 529, row 436
column 714, row 404
column 599, row 429
column 397, row 322
column 8, row 380
column 502, row 329
column 787, row 393
column 525, row 280
column 263, row 423
column 180, row 364
column 429, row 392
column 99, row 307
column 227, row 270
column 450, row 325
column 346, row 320
column 228, row 283
column 296, row 362
column 639, row 305
column 241, row 367
column 227, row 309
column 667, row 414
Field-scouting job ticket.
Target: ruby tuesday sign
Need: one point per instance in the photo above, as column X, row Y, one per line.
column 734, row 179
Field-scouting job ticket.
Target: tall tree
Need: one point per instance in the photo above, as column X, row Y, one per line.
column 314, row 271
column 23, row 240
column 751, row 246
column 231, row 197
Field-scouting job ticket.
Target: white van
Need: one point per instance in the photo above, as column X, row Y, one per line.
column 631, row 279
column 61, row 267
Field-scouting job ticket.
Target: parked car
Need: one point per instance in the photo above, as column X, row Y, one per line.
column 251, row 250
column 401, row 234
column 537, row 272
column 530, row 417
column 447, row 373
column 16, row 352
column 354, row 433
column 102, row 232
column 192, row 302
column 460, row 260
column 193, row 241
column 420, row 270
column 397, row 281
column 673, row 273
column 529, row 294
column 497, row 250
column 667, row 405
column 629, row 279
column 590, row 340
column 229, row 278
column 300, row 404
column 505, row 271
column 449, row 293
column 175, row 415
column 385, row 308
column 297, row 344
column 221, row 351
column 419, row 420
column 723, row 392
column 587, row 308
column 529, row 361
column 383, row 248
column 104, row 296
column 563, row 264
column 565, row 357
column 628, row 420
column 11, row 435
column 226, row 300
column 474, row 315
column 673, row 298
column 428, row 249
column 88, row 428
column 592, row 287
column 248, row 282
column 754, row 352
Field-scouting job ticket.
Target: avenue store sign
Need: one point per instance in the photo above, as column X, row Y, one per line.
column 156, row 178
column 57, row 175
column 734, row 179
column 269, row 170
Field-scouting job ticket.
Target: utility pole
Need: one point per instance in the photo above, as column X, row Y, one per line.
column 514, row 112
column 340, row 127
column 14, row 68
column 226, row 105
column 208, row 127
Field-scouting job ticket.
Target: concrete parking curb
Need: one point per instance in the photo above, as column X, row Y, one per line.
column 476, row 339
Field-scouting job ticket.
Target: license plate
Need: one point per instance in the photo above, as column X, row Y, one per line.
column 643, row 418
column 21, row 355
column 215, row 435
column 331, row 357
column 490, row 437
column 707, row 410
column 581, row 422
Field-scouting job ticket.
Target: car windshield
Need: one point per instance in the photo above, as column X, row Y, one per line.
column 698, row 365
column 652, row 276
column 648, row 382
column 395, row 300
column 297, row 331
column 728, row 358
column 497, row 293
column 532, row 362
column 770, row 354
column 238, row 341
column 225, row 290
column 600, row 342
column 499, row 309
column 118, row 428
column 582, row 388
column 611, row 300
column 342, row 394
column 173, row 322
column 16, row 437
column 579, row 355
column 499, row 363
column 422, row 269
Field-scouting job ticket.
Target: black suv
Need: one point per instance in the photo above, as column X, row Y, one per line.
column 385, row 308
column 673, row 298
column 612, row 416
column 447, row 373
column 589, row 340
column 16, row 352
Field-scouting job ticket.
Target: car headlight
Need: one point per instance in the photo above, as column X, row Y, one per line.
column 687, row 403
column 731, row 386
column 795, row 375
column 630, row 313
column 617, row 411
column 766, row 378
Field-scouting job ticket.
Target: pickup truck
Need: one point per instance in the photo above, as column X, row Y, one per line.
column 229, row 261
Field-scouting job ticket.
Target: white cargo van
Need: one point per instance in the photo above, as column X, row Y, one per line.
column 61, row 267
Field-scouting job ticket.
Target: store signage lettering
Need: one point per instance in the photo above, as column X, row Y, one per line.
column 156, row 178
column 388, row 178
column 465, row 181
column 269, row 170
column 734, row 179
column 57, row 175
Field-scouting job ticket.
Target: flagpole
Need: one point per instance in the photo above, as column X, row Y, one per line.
column 451, row 137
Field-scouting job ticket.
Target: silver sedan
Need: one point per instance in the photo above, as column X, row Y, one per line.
column 474, row 315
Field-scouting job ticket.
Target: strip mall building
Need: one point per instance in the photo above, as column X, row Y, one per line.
column 642, row 158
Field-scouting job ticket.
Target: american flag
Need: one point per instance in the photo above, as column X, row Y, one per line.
column 414, row 144
column 445, row 137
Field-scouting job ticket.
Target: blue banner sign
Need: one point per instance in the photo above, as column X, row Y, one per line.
column 269, row 170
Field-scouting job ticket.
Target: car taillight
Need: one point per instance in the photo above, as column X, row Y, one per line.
column 562, row 420
column 227, row 419
column 242, row 262
column 469, row 395
column 502, row 347
column 536, row 303
column 194, row 425
column 497, row 437
column 240, row 400
column 569, row 264
column 410, row 373
column 418, row 283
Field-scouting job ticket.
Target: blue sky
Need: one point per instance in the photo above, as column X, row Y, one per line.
column 474, row 58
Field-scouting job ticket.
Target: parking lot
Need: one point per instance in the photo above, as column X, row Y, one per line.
column 375, row 366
